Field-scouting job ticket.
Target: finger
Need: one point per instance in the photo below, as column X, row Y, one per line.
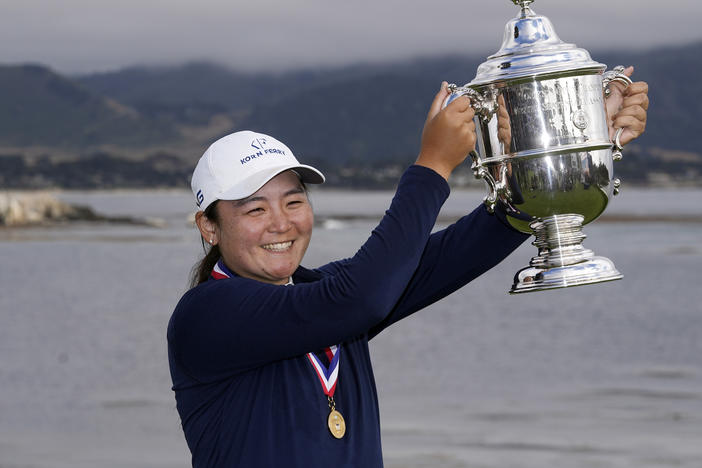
column 640, row 100
column 439, row 99
column 461, row 104
column 635, row 97
column 634, row 121
column 629, row 135
column 621, row 87
column 503, row 125
column 469, row 113
column 634, row 126
column 632, row 110
column 503, row 134
column 637, row 112
column 639, row 87
column 469, row 136
column 629, row 120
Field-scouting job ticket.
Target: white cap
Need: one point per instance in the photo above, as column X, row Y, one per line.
column 237, row 165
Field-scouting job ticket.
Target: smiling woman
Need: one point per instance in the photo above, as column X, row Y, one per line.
column 270, row 360
column 264, row 236
column 250, row 190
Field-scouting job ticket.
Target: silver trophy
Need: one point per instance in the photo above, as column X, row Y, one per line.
column 544, row 148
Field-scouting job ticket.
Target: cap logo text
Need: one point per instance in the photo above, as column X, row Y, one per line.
column 259, row 144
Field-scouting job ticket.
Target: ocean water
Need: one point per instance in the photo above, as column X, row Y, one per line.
column 596, row 376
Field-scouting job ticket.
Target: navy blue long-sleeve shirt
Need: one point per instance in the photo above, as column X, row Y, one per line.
column 245, row 391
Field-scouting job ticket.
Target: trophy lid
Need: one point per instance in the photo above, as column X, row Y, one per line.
column 532, row 48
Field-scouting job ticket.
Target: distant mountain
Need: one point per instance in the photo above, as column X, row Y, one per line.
column 198, row 90
column 374, row 111
column 347, row 120
column 188, row 93
column 380, row 116
column 341, row 115
column 40, row 107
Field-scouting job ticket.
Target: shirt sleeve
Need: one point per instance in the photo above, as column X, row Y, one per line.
column 453, row 257
column 232, row 325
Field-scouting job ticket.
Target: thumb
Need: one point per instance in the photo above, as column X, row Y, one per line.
column 438, row 101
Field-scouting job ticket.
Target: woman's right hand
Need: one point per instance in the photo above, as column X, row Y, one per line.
column 448, row 135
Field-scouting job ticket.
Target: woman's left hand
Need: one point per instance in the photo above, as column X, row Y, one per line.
column 627, row 109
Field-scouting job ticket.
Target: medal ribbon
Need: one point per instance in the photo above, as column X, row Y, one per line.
column 328, row 376
column 220, row 271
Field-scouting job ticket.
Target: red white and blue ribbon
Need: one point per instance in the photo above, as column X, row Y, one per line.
column 328, row 376
column 220, row 271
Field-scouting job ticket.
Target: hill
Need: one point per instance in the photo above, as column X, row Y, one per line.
column 355, row 109
column 146, row 126
column 40, row 107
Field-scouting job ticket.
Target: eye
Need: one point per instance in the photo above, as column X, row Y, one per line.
column 255, row 211
column 296, row 201
column 296, row 204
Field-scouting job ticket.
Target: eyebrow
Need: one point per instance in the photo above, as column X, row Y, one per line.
column 255, row 199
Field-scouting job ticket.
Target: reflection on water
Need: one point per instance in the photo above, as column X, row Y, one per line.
column 606, row 376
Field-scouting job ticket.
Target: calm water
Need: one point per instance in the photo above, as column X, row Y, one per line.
column 597, row 376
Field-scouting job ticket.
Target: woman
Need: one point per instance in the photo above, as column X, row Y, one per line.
column 270, row 360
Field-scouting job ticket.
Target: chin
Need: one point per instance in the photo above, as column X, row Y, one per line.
column 283, row 273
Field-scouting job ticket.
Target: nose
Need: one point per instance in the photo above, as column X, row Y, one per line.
column 279, row 221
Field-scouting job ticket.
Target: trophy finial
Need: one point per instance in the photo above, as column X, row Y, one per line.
column 524, row 4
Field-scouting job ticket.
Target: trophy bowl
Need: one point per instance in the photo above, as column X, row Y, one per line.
column 544, row 148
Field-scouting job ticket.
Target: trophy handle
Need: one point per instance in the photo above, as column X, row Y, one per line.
column 617, row 154
column 615, row 75
column 481, row 172
column 616, row 183
column 497, row 189
column 485, row 106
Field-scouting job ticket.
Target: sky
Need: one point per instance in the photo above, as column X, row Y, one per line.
column 83, row 36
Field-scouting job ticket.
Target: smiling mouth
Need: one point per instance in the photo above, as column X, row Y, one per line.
column 278, row 247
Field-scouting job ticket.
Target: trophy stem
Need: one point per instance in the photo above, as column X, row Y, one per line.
column 562, row 261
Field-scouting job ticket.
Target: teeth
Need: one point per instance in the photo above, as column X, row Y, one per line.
column 279, row 247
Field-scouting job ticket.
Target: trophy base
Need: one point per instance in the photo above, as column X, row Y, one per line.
column 596, row 270
column 562, row 261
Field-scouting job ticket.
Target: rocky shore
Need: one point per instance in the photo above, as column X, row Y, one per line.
column 25, row 209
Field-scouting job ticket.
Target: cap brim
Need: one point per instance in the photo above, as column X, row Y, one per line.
column 308, row 175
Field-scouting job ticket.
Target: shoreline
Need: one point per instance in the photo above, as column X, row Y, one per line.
column 605, row 218
column 43, row 209
column 333, row 207
column 324, row 188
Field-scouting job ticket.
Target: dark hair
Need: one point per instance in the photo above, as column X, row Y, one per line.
column 202, row 269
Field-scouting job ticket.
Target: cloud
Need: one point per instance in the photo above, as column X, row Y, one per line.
column 79, row 35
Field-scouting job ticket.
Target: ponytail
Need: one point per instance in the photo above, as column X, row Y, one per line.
column 202, row 269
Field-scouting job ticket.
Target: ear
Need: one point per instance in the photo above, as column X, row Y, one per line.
column 207, row 227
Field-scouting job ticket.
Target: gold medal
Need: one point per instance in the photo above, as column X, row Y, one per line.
column 328, row 377
column 336, row 423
